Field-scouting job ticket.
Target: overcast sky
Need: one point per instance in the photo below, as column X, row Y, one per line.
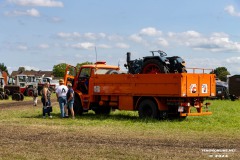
column 38, row 34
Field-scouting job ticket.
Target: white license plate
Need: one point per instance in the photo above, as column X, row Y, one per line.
column 180, row 109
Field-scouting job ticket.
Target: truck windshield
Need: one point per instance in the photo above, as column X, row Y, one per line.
column 22, row 78
column 103, row 70
column 85, row 72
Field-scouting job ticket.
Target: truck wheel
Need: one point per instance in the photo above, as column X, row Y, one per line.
column 25, row 93
column 30, row 92
column 21, row 96
column 6, row 97
column 153, row 66
column 77, row 106
column 16, row 96
column 112, row 72
column 148, row 109
column 7, row 92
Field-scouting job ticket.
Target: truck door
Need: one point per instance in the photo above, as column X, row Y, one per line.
column 83, row 80
column 70, row 74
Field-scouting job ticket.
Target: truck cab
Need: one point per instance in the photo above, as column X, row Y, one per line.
column 80, row 81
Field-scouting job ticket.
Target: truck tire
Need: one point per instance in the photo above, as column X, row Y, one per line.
column 21, row 96
column 25, row 93
column 7, row 92
column 112, row 72
column 148, row 109
column 77, row 106
column 153, row 66
column 6, row 97
column 30, row 92
column 16, row 96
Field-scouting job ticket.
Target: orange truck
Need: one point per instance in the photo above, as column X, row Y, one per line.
column 100, row 87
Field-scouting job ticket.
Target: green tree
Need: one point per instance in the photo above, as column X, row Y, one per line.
column 59, row 70
column 80, row 64
column 221, row 73
column 21, row 69
column 3, row 67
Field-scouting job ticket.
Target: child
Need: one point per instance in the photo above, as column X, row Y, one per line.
column 35, row 95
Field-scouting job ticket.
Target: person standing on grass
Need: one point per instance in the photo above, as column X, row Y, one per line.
column 46, row 93
column 61, row 93
column 35, row 96
column 70, row 101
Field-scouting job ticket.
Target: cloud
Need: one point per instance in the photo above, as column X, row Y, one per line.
column 29, row 68
column 162, row 42
column 22, row 47
column 55, row 19
column 231, row 10
column 43, row 46
column 94, row 36
column 136, row 38
column 40, row 3
column 115, row 38
column 104, row 46
column 233, row 60
column 122, row 45
column 85, row 45
column 150, row 31
column 72, row 35
column 216, row 42
column 31, row 12
column 86, row 36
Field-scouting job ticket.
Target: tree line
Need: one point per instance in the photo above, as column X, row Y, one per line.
column 59, row 70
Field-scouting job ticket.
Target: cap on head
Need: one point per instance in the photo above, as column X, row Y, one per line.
column 69, row 84
column 61, row 81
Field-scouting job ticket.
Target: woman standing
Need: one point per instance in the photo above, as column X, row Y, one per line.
column 70, row 101
column 46, row 93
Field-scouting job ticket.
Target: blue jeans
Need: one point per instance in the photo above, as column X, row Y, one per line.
column 62, row 101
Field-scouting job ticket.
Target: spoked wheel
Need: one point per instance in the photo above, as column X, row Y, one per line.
column 153, row 66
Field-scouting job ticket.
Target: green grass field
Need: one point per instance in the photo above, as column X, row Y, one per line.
column 157, row 139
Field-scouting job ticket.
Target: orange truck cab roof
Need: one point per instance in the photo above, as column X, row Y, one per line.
column 101, row 64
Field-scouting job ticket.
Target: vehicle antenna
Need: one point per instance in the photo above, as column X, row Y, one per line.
column 96, row 52
column 118, row 63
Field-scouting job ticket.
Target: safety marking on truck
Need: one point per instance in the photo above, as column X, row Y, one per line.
column 204, row 88
column 193, row 88
column 97, row 89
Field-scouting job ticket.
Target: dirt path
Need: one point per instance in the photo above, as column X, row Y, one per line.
column 25, row 103
column 49, row 143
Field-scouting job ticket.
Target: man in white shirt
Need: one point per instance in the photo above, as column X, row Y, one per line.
column 61, row 93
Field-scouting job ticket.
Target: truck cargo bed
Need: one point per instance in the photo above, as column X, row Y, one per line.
column 164, row 85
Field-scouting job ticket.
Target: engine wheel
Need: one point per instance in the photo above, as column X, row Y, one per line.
column 153, row 66
column 148, row 109
column 77, row 106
